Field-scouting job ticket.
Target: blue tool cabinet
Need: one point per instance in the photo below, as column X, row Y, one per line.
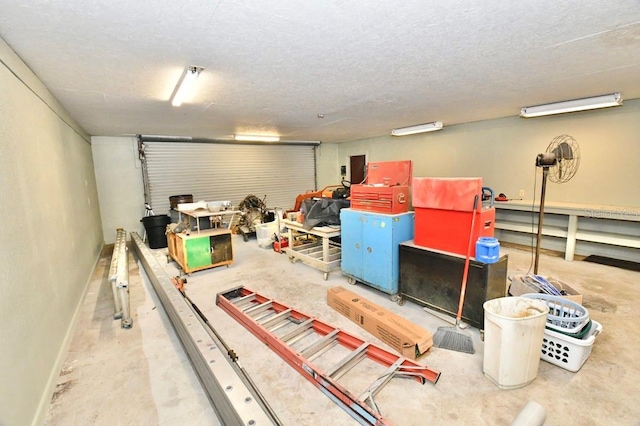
column 370, row 247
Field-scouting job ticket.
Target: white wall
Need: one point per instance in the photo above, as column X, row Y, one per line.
column 50, row 240
column 327, row 165
column 120, row 187
column 503, row 153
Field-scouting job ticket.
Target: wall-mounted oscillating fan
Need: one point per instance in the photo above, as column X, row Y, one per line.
column 559, row 164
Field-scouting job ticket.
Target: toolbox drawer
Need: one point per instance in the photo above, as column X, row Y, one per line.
column 380, row 199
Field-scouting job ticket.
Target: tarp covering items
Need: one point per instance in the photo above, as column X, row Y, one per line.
column 322, row 211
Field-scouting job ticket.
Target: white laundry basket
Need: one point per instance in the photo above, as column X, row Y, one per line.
column 569, row 352
column 564, row 315
column 513, row 332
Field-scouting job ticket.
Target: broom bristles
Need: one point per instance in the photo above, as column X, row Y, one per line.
column 453, row 338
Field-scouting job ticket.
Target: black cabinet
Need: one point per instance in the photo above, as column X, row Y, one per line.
column 433, row 279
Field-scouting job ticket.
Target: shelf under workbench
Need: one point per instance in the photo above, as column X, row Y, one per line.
column 323, row 254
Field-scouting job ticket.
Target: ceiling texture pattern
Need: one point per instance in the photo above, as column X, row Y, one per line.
column 272, row 66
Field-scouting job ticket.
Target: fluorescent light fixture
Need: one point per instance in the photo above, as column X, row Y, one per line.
column 583, row 104
column 250, row 138
column 421, row 128
column 185, row 84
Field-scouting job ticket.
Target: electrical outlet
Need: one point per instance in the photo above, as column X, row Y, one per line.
column 521, row 193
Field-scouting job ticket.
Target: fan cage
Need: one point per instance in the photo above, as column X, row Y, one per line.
column 567, row 154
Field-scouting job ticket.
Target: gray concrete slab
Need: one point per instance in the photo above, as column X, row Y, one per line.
column 141, row 375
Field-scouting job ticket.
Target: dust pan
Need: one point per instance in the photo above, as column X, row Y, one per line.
column 455, row 338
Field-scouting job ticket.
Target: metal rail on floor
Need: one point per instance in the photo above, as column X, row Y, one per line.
column 119, row 278
column 263, row 317
column 233, row 396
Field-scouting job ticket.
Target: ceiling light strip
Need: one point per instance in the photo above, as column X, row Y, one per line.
column 159, row 138
column 584, row 104
column 421, row 128
column 256, row 138
column 185, row 85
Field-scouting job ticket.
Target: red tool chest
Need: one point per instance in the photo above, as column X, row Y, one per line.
column 443, row 214
column 386, row 188
column 448, row 230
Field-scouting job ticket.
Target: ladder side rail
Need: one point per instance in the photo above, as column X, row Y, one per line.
column 122, row 280
column 113, row 275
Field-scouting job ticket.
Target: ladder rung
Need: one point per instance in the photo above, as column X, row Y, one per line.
column 330, row 346
column 276, row 318
column 301, row 328
column 348, row 362
column 319, row 344
column 256, row 309
column 263, row 316
column 281, row 324
column 244, row 300
column 301, row 336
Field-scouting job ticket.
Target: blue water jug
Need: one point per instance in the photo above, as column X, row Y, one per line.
column 487, row 250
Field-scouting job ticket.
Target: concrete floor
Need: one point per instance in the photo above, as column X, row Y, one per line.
column 140, row 376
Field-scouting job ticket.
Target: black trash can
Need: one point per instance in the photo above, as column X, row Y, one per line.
column 156, row 226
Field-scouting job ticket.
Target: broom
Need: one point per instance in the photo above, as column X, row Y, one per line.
column 455, row 338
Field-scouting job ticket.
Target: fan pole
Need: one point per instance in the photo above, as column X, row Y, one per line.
column 545, row 173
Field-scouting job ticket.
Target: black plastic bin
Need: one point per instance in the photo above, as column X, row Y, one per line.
column 156, row 226
column 174, row 200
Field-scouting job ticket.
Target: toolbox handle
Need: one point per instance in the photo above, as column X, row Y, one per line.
column 490, row 191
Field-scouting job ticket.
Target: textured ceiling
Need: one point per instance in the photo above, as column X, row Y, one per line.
column 271, row 66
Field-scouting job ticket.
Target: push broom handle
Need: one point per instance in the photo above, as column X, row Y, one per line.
column 463, row 290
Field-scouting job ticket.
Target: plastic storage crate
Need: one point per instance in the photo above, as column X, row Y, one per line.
column 566, row 351
column 564, row 315
column 264, row 233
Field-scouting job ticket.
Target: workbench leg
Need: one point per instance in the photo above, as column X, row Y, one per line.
column 325, row 249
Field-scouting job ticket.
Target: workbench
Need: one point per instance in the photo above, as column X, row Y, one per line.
column 197, row 214
column 584, row 229
column 323, row 254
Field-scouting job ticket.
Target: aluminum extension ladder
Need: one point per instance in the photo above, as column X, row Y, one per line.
column 119, row 278
column 264, row 317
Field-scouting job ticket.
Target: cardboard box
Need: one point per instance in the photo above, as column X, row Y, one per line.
column 402, row 335
column 519, row 287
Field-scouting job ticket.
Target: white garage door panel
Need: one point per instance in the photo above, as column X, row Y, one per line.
column 211, row 171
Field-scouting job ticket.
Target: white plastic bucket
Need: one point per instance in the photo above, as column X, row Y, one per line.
column 513, row 333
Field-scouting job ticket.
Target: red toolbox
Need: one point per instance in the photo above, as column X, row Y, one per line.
column 448, row 230
column 446, row 193
column 443, row 214
column 386, row 188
